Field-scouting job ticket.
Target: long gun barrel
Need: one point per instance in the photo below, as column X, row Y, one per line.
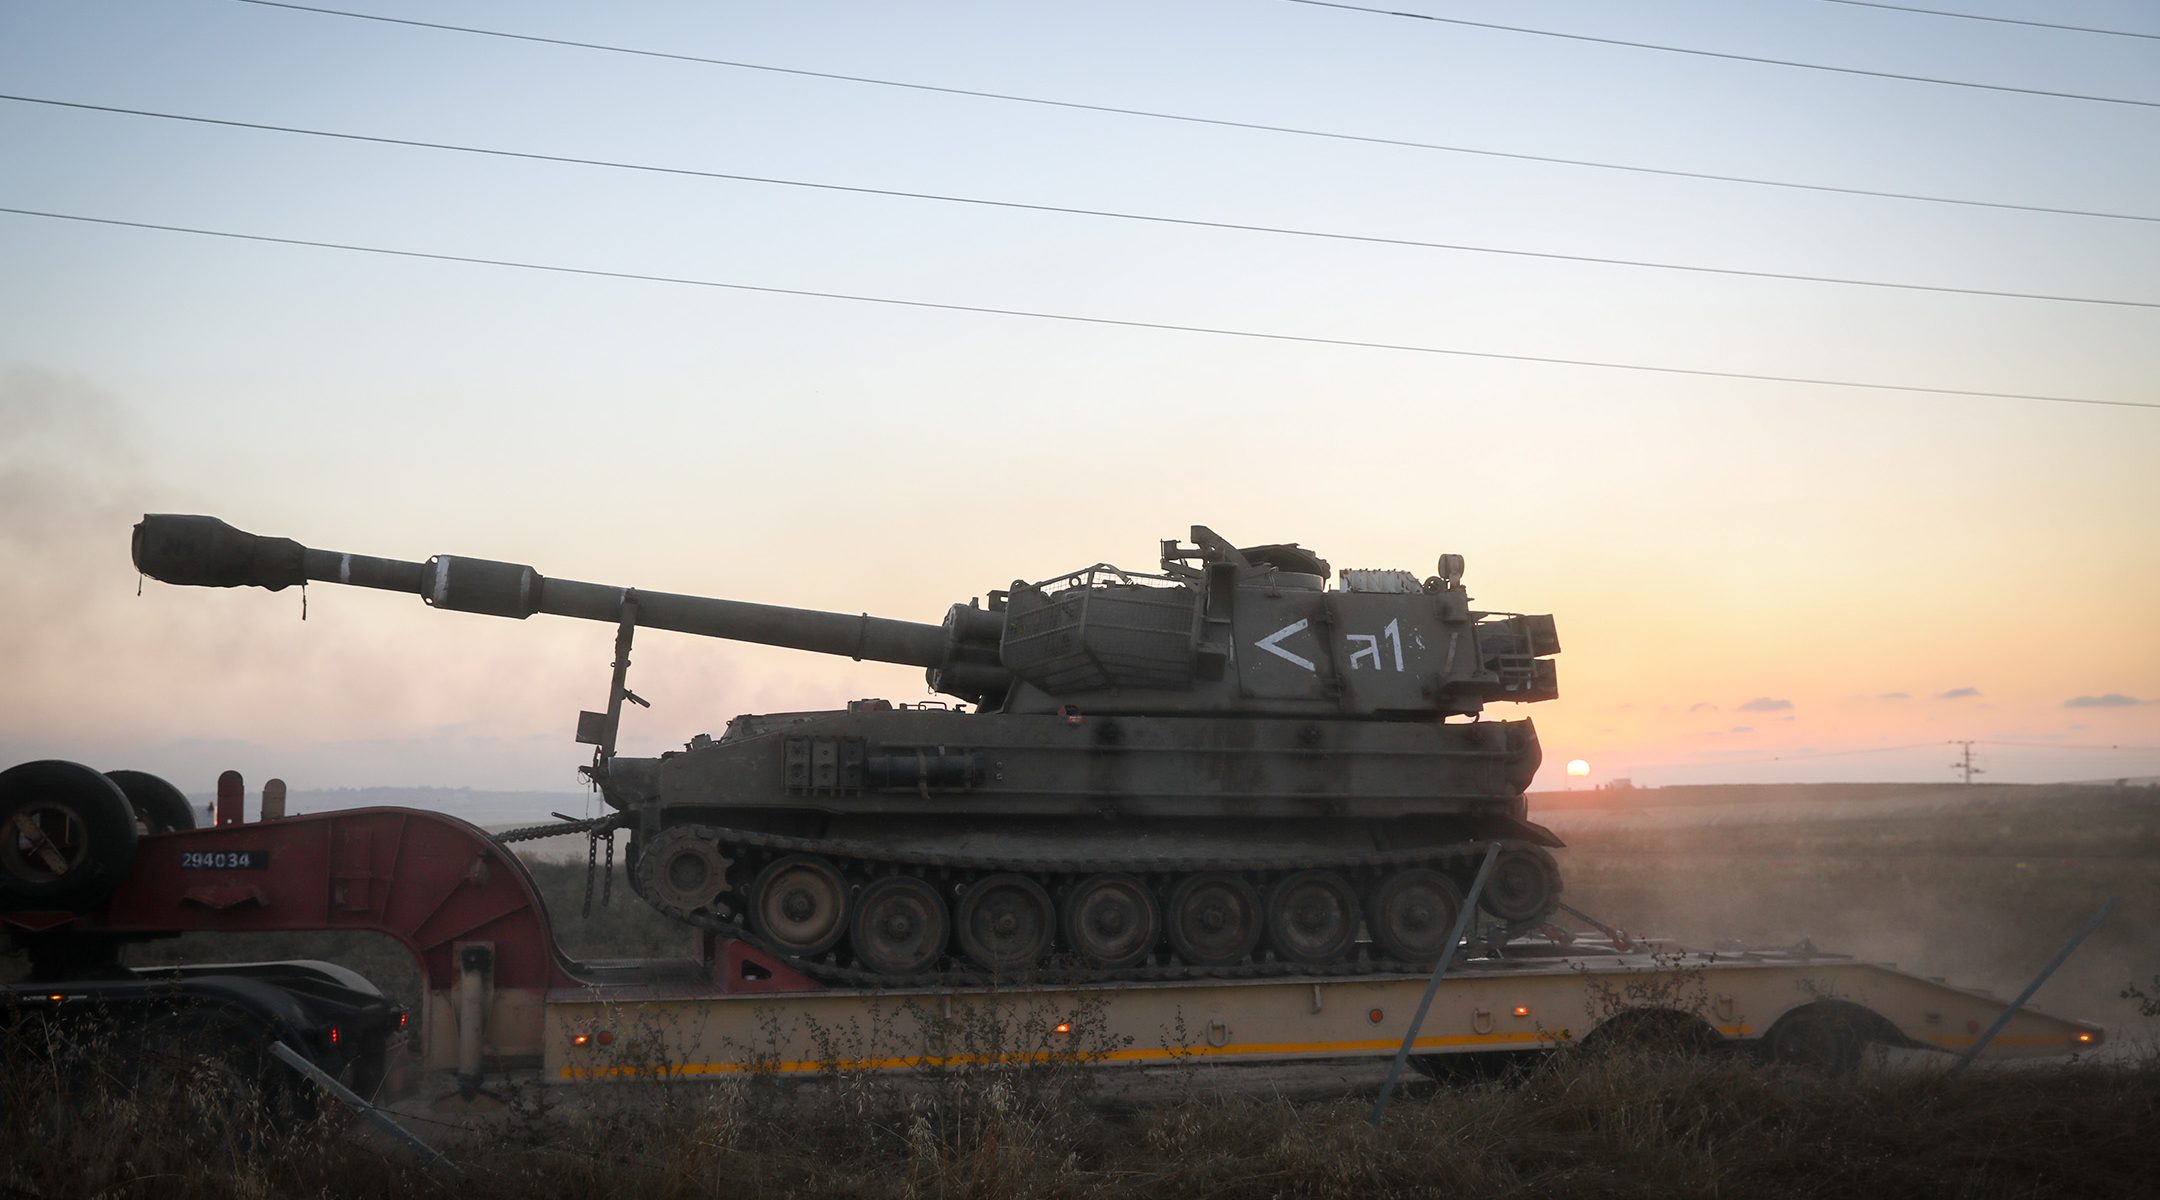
column 1246, row 633
column 206, row 552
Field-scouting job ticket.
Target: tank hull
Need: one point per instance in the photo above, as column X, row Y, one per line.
column 902, row 762
column 1070, row 818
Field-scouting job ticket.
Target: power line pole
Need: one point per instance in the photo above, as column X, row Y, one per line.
column 1964, row 765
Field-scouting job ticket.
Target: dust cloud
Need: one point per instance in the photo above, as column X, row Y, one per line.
column 1977, row 884
column 63, row 466
column 372, row 690
column 106, row 668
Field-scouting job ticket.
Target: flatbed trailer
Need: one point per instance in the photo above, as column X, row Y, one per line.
column 499, row 995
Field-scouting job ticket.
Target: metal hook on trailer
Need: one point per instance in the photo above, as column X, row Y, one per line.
column 1440, row 969
column 2016, row 1006
column 351, row 1099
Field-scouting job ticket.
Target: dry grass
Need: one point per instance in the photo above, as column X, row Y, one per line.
column 1624, row 1124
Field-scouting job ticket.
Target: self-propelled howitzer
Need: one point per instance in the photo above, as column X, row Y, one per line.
column 1222, row 765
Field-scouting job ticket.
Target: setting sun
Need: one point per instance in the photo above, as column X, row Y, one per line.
column 1578, row 767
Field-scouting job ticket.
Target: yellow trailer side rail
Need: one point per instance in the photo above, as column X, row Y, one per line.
column 1548, row 997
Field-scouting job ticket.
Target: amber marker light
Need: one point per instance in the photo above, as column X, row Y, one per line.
column 2083, row 1037
column 1062, row 1027
column 580, row 1039
column 1522, row 1010
column 56, row 997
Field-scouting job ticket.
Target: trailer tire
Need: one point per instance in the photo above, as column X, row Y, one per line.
column 1654, row 1031
column 216, row 1064
column 67, row 836
column 1490, row 1066
column 159, row 806
column 1828, row 1037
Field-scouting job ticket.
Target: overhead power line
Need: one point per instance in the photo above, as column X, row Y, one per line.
column 2065, row 745
column 1760, row 760
column 1968, row 742
column 1112, row 214
column 1849, row 753
column 1746, row 58
column 1040, row 315
column 1938, row 12
column 1809, row 756
column 1218, row 122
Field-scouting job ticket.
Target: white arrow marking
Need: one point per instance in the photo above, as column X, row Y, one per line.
column 1268, row 644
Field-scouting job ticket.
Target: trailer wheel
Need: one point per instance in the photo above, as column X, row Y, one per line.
column 1489, row 1066
column 1654, row 1031
column 214, row 1069
column 159, row 806
column 67, row 836
column 1829, row 1036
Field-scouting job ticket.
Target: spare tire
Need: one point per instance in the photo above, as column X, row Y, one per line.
column 67, row 836
column 159, row 806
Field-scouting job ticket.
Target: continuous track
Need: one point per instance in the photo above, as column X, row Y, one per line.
column 860, row 863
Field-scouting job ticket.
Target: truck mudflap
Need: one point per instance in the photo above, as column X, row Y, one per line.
column 332, row 1017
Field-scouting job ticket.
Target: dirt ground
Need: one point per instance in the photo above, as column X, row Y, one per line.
column 1979, row 884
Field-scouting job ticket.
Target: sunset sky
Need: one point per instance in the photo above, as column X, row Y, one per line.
column 1753, row 580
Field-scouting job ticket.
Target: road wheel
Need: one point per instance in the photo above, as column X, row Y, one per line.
column 1525, row 885
column 1410, row 914
column 67, row 836
column 159, row 807
column 1006, row 922
column 1214, row 919
column 798, row 905
column 1312, row 918
column 900, row 926
column 1111, row 921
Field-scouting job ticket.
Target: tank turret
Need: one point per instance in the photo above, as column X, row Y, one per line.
column 1223, row 763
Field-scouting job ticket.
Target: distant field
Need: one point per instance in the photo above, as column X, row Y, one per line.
column 1979, row 884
